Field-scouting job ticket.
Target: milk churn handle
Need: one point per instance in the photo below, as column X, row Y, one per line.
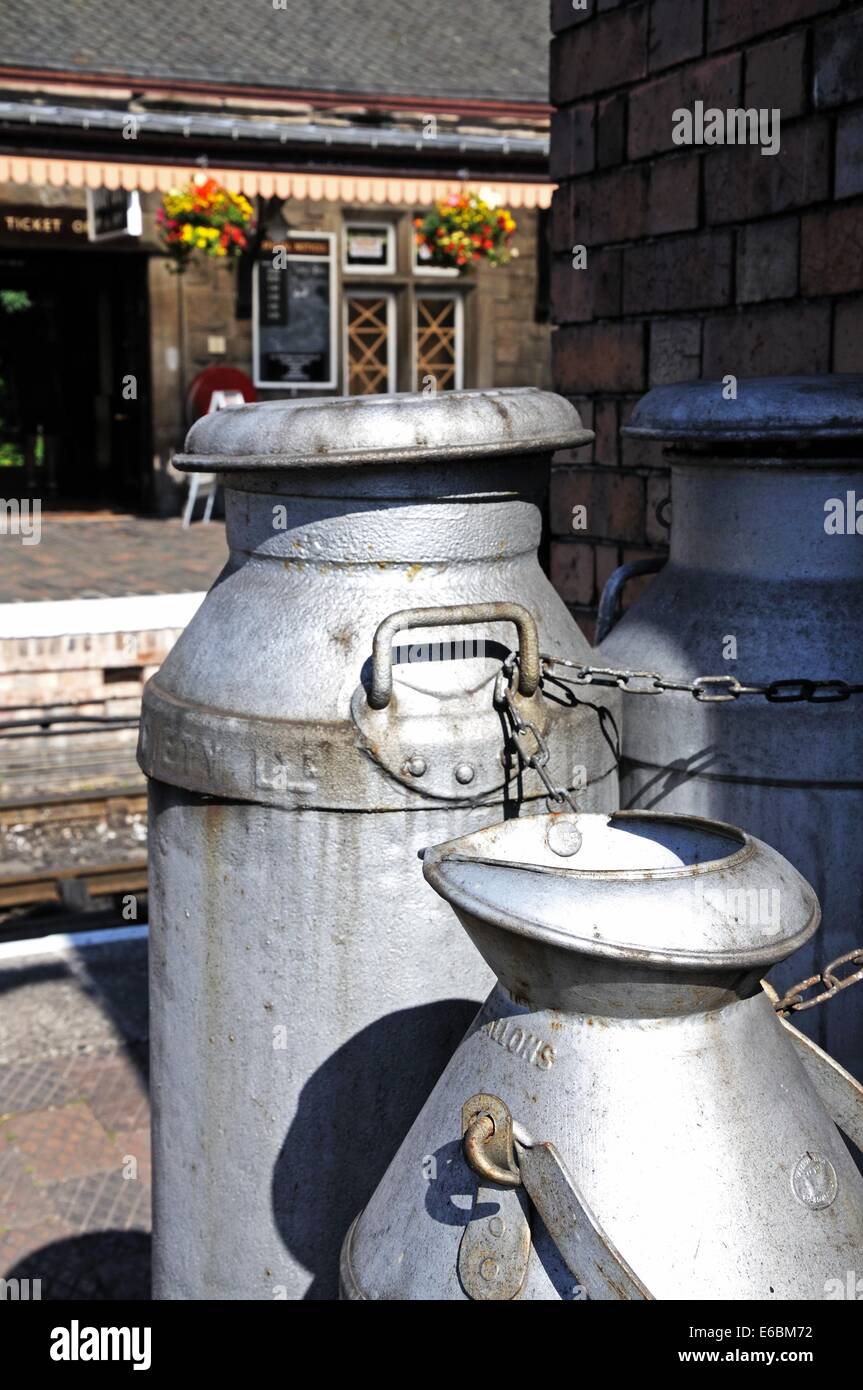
column 840, row 1092
column 455, row 615
column 608, row 611
column 500, row 1150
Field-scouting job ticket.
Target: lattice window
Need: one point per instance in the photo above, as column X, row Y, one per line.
column 438, row 341
column 368, row 344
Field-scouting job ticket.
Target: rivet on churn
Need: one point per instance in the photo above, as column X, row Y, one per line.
column 416, row 766
column 464, row 773
column 563, row 838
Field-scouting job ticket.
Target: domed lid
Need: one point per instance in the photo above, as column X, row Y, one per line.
column 769, row 409
column 408, row 427
column 653, row 888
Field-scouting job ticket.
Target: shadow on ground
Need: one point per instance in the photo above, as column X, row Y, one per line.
column 104, row 1265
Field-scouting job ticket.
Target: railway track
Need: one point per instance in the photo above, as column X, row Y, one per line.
column 65, row 852
column 73, row 888
column 65, row 806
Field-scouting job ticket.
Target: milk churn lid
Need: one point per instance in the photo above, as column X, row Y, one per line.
column 799, row 409
column 673, row 890
column 402, row 428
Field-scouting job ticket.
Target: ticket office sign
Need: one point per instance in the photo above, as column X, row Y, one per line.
column 294, row 313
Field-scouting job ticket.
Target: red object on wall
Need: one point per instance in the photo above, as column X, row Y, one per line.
column 212, row 379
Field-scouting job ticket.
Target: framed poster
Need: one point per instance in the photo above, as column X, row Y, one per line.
column 369, row 246
column 294, row 313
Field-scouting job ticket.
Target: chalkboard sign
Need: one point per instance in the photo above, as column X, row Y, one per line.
column 294, row 313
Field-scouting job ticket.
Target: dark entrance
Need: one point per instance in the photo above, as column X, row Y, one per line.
column 74, row 377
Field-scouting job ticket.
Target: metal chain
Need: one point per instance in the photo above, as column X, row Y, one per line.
column 520, row 728
column 707, row 689
column 828, row 984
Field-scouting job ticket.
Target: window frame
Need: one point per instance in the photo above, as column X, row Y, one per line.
column 389, row 267
column 422, row 293
column 363, row 291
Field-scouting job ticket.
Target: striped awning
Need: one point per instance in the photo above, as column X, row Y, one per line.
column 329, row 188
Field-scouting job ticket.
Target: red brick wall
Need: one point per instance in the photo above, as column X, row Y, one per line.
column 701, row 260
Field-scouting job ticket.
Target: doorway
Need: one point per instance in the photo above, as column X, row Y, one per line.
column 74, row 378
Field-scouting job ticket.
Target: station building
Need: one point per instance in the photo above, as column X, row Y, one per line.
column 340, row 135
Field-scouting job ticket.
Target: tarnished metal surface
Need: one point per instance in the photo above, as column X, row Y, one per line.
column 494, row 1253
column 404, row 428
column 600, row 1269
column 307, row 987
column 841, row 1092
column 488, row 1140
column 757, row 586
column 648, row 1056
column 797, row 409
column 490, row 1261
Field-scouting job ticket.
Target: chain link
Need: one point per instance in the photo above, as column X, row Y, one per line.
column 828, row 984
column 706, row 689
column 522, row 729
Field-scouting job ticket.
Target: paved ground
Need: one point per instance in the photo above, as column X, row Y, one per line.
column 107, row 555
column 74, row 1136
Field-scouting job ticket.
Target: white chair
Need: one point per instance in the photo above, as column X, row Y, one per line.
column 206, row 485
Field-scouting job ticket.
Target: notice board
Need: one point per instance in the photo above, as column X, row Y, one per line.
column 294, row 313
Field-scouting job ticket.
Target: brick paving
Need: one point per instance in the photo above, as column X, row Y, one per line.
column 74, row 1123
column 106, row 555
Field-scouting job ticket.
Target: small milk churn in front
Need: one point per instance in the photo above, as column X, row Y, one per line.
column 763, row 587
column 338, row 702
column 627, row 1117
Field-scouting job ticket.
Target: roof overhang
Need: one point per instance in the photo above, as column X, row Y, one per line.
column 356, row 189
column 56, row 79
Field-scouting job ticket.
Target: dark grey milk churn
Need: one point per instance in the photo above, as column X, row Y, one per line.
column 763, row 587
column 627, row 1118
column 338, row 702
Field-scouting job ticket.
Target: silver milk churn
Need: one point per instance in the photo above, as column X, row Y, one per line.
column 763, row 588
column 627, row 1117
column 338, row 702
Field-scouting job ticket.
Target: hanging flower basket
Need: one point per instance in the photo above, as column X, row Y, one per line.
column 464, row 228
column 203, row 218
